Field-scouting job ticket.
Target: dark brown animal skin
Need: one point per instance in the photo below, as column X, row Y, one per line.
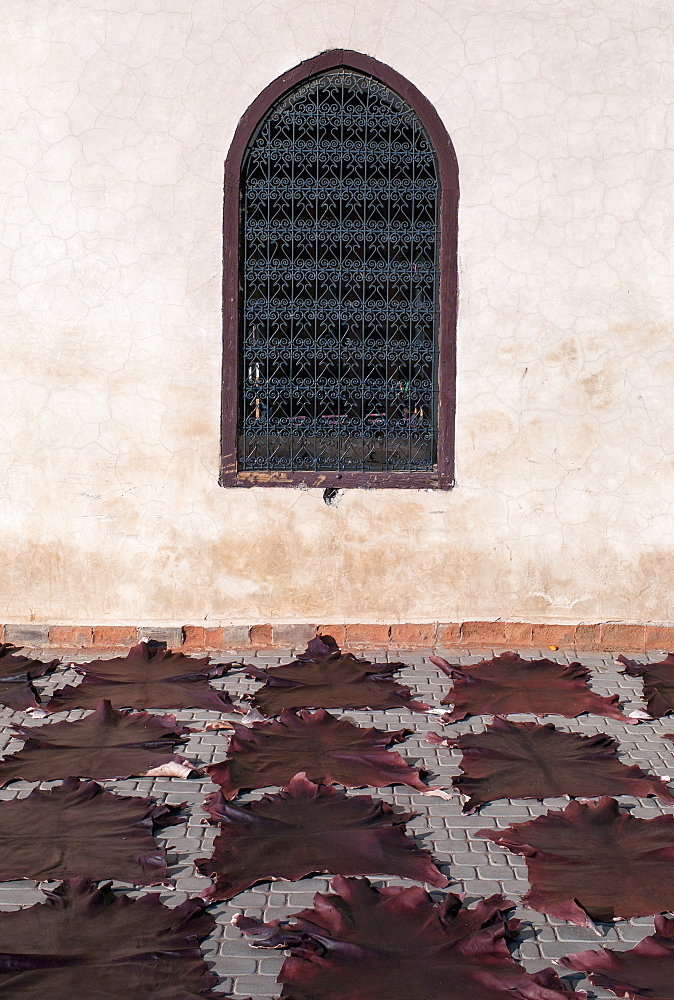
column 394, row 943
column 324, row 677
column 645, row 972
column 327, row 749
column 507, row 684
column 80, row 829
column 592, row 862
column 94, row 944
column 658, row 683
column 512, row 760
column 306, row 829
column 104, row 744
column 16, row 673
column 147, row 677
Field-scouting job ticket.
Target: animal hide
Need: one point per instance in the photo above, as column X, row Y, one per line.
column 147, row 677
column 395, row 943
column 328, row 750
column 16, row 673
column 592, row 862
column 658, row 683
column 516, row 760
column 79, row 829
column 507, row 685
column 95, row 944
column 105, row 744
column 324, row 677
column 306, row 829
column 645, row 972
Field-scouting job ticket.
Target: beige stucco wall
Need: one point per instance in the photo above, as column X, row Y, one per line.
column 119, row 119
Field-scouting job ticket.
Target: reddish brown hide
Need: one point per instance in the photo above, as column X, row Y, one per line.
column 105, row 744
column 78, row 829
column 516, row 760
column 324, row 677
column 16, row 673
column 507, row 684
column 306, row 829
column 147, row 677
column 328, row 750
column 592, row 862
column 398, row 944
column 643, row 973
column 95, row 944
column 658, row 683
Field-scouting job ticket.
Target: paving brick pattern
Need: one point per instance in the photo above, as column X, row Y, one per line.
column 477, row 867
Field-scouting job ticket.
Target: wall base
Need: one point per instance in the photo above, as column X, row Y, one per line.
column 581, row 637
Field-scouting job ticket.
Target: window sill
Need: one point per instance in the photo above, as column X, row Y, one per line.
column 340, row 480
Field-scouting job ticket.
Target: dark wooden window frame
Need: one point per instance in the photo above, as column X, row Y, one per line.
column 443, row 478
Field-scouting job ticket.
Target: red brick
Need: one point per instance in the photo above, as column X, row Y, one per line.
column 261, row 636
column 483, row 634
column 71, row 635
column 194, row 636
column 229, row 637
column 336, row 632
column 411, row 636
column 660, row 637
column 214, row 638
column 518, row 634
column 617, row 636
column 587, row 638
column 449, row 635
column 115, row 635
column 367, row 636
column 562, row 636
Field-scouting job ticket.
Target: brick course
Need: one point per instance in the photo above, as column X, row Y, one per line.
column 27, row 635
column 115, row 635
column 588, row 637
column 616, row 635
column 374, row 636
column 412, row 636
column 71, row 635
column 660, row 637
column 171, row 636
column 293, row 636
column 518, row 633
column 194, row 636
column 261, row 636
column 606, row 636
column 449, row 635
column 483, row 633
column 561, row 636
column 337, row 632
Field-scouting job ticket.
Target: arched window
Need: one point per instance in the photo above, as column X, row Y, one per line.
column 340, row 283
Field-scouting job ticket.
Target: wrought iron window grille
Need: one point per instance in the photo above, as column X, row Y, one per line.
column 338, row 294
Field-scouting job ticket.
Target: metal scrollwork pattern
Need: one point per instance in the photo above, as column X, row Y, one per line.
column 339, row 203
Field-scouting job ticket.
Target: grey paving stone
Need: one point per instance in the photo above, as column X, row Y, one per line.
column 270, row 966
column 476, row 866
column 255, row 986
column 241, row 966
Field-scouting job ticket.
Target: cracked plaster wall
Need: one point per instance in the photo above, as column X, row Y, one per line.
column 118, row 117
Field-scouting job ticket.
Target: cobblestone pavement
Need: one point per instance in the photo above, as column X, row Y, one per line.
column 477, row 867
